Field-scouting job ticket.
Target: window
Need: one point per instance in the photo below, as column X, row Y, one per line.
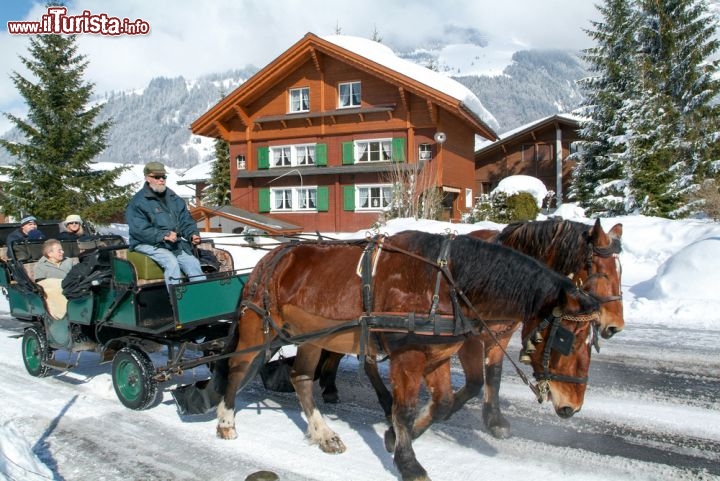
column 373, row 150
column 294, row 198
column 280, row 156
column 305, row 154
column 290, row 155
column 306, row 198
column 240, row 162
column 373, row 197
column 300, row 100
column 424, row 152
column 349, row 95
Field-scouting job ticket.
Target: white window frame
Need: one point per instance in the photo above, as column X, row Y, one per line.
column 353, row 95
column 297, row 99
column 299, row 155
column 382, row 193
column 304, row 154
column 293, row 199
column 377, row 150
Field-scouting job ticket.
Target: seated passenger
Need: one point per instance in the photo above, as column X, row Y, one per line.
column 27, row 231
column 53, row 264
column 72, row 229
column 49, row 273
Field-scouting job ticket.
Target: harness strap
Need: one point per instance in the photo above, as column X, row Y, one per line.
column 411, row 323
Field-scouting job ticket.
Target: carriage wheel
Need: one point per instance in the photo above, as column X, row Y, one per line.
column 132, row 375
column 35, row 351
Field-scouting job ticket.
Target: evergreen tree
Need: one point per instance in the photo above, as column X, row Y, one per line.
column 219, row 191
column 52, row 176
column 599, row 179
column 649, row 142
column 679, row 121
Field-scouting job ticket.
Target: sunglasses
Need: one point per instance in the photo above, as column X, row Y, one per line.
column 71, row 223
column 159, row 177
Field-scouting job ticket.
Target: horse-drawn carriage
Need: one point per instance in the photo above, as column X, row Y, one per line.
column 121, row 309
column 418, row 297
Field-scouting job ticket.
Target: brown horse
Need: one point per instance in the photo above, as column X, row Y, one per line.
column 587, row 254
column 422, row 294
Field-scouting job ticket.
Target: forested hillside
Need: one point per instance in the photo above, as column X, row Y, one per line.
column 153, row 123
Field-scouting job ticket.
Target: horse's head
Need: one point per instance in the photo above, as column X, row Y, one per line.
column 601, row 276
column 558, row 347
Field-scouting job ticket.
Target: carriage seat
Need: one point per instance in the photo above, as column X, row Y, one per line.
column 146, row 269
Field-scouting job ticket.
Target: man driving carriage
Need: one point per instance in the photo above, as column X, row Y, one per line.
column 161, row 227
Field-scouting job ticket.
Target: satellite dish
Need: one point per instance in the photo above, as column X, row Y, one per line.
column 440, row 137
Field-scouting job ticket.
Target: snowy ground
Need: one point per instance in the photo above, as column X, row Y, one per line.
column 652, row 410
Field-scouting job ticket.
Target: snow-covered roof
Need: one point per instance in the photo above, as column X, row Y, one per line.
column 482, row 143
column 383, row 55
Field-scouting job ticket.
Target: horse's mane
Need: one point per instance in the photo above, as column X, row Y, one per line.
column 487, row 272
column 561, row 244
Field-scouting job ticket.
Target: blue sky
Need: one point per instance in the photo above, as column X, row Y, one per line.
column 14, row 10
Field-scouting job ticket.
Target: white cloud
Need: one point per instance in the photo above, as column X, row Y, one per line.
column 191, row 38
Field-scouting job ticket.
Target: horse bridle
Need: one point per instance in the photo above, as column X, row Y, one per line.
column 560, row 340
column 613, row 250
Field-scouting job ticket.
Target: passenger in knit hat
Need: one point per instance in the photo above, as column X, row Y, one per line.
column 28, row 219
column 27, row 231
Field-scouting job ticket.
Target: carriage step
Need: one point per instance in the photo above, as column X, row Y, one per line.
column 65, row 366
column 198, row 398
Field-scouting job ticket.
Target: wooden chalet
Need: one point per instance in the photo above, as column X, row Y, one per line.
column 317, row 135
column 539, row 149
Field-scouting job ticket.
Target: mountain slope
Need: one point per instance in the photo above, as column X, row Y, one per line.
column 153, row 124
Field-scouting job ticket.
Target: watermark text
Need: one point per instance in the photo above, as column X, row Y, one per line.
column 57, row 21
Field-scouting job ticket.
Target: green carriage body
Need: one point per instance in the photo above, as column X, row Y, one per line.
column 129, row 313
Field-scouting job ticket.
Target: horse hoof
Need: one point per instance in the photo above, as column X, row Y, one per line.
column 495, row 423
column 331, row 397
column 226, row 433
column 333, row 446
column 500, row 432
column 390, row 440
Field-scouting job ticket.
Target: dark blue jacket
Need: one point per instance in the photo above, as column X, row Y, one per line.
column 18, row 236
column 150, row 219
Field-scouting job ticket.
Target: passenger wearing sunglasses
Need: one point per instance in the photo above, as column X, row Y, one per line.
column 72, row 228
column 161, row 227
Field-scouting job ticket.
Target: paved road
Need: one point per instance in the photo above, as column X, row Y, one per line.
column 652, row 367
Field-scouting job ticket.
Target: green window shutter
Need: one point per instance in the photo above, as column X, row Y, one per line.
column 263, row 154
column 264, row 200
column 349, row 197
column 322, row 201
column 321, row 155
column 398, row 150
column 348, row 153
